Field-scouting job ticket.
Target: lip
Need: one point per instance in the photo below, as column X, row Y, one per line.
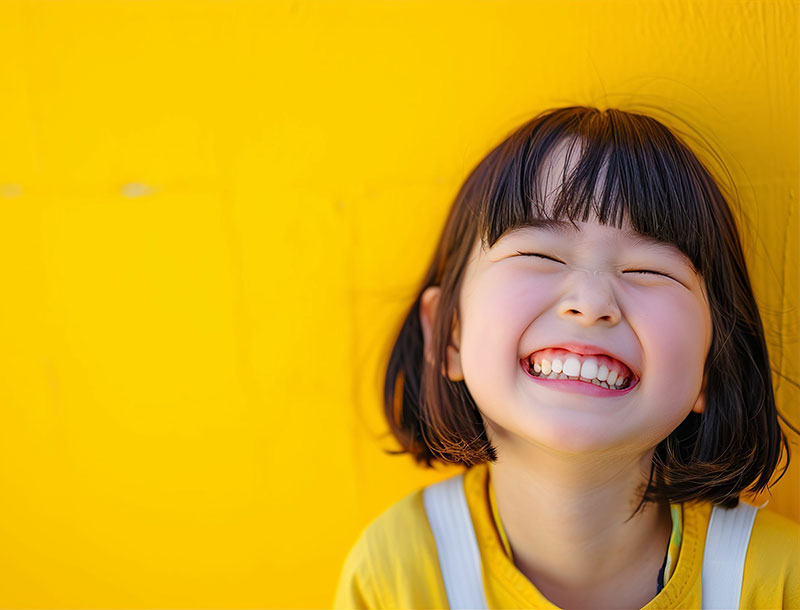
column 580, row 387
column 587, row 349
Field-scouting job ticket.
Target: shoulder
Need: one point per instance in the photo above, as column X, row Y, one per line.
column 772, row 528
column 771, row 576
column 393, row 563
column 773, row 560
column 775, row 541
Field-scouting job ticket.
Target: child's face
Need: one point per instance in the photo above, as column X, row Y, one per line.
column 512, row 306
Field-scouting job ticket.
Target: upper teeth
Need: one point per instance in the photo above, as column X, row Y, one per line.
column 598, row 370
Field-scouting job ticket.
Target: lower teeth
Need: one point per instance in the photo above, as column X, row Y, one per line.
column 601, row 384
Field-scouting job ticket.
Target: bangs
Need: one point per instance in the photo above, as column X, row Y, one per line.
column 629, row 167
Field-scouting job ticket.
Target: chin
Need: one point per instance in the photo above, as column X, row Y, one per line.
column 566, row 437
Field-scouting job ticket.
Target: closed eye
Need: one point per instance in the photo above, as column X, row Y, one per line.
column 538, row 255
column 647, row 271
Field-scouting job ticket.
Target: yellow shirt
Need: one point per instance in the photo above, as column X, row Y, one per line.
column 393, row 563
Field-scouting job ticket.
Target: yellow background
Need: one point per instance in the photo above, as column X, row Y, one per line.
column 213, row 216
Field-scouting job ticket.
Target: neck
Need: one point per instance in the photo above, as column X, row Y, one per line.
column 566, row 519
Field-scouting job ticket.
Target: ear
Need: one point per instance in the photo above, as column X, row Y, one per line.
column 700, row 403
column 428, row 307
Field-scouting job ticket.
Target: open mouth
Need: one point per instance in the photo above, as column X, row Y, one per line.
column 600, row 370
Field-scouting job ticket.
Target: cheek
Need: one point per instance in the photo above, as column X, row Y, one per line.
column 496, row 314
column 675, row 333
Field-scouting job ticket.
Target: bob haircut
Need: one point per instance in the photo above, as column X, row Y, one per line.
column 656, row 181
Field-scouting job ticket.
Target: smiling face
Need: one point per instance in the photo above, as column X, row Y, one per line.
column 585, row 286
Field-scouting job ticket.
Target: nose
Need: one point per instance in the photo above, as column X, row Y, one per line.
column 591, row 300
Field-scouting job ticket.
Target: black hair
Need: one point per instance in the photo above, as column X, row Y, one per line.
column 655, row 180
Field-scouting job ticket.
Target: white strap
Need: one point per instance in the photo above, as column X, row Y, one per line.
column 456, row 544
column 723, row 558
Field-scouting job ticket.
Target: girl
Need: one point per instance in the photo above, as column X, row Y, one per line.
column 587, row 343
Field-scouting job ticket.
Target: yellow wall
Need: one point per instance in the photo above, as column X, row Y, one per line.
column 212, row 214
